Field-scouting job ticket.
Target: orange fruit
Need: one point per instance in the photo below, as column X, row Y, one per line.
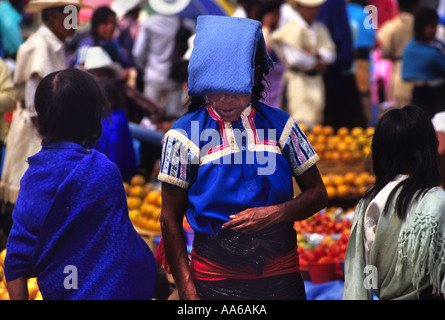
column 327, row 181
column 152, row 197
column 337, row 179
column 2, row 257
column 317, row 129
column 134, row 214
column 137, row 180
column 343, row 132
column 332, row 191
column 137, row 191
column 350, row 177
column 357, row 131
column 346, row 156
column 343, row 190
column 328, row 130
column 134, row 202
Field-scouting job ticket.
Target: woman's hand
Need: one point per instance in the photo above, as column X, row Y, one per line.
column 255, row 219
column 313, row 198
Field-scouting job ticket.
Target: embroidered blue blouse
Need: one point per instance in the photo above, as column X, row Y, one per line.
column 72, row 230
column 229, row 167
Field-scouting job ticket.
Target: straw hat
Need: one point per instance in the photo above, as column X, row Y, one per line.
column 168, row 7
column 121, row 7
column 38, row 5
column 308, row 3
column 97, row 58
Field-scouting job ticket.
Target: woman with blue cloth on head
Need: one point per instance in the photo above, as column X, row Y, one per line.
column 71, row 225
column 228, row 164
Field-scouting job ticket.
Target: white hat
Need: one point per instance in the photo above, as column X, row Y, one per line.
column 35, row 6
column 168, row 7
column 309, row 3
column 121, row 7
column 97, row 58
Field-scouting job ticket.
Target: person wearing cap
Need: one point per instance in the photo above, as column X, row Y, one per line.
column 229, row 164
column 41, row 54
column 306, row 48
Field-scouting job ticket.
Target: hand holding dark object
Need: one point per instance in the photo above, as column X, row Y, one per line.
column 312, row 199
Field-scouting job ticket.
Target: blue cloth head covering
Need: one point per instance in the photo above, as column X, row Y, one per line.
column 223, row 56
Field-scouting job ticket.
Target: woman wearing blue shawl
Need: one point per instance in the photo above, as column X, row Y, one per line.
column 71, row 225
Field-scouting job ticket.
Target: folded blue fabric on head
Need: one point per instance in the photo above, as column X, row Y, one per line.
column 223, row 56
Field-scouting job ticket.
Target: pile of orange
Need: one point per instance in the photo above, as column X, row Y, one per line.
column 351, row 184
column 345, row 145
column 33, row 289
column 144, row 204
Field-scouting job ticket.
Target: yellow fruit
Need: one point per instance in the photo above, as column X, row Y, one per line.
column 357, row 131
column 137, row 191
column 153, row 197
column 134, row 214
column 343, row 132
column 137, row 180
column 134, row 203
column 317, row 129
column 369, row 131
column 337, row 180
column 327, row 181
column 346, row 156
column 148, row 210
column 350, row 177
column 343, row 190
column 2, row 257
column 38, row 296
column 33, row 288
column 332, row 192
column 328, row 130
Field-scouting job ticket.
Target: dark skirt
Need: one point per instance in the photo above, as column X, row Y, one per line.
column 282, row 287
column 230, row 248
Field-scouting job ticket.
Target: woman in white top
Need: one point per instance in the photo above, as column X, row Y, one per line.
column 397, row 242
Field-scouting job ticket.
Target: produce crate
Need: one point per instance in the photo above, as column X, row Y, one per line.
column 329, row 167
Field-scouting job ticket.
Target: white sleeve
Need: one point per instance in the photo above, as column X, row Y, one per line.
column 299, row 58
column 439, row 122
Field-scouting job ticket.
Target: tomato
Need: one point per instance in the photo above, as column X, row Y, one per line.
column 334, row 249
column 326, row 259
column 319, row 251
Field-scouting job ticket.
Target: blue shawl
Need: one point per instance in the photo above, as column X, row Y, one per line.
column 72, row 230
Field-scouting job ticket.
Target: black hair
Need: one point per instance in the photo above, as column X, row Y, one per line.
column 100, row 15
column 259, row 89
column 424, row 17
column 408, row 5
column 70, row 106
column 266, row 6
column 404, row 142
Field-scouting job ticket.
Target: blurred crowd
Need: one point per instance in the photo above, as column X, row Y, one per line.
column 338, row 63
